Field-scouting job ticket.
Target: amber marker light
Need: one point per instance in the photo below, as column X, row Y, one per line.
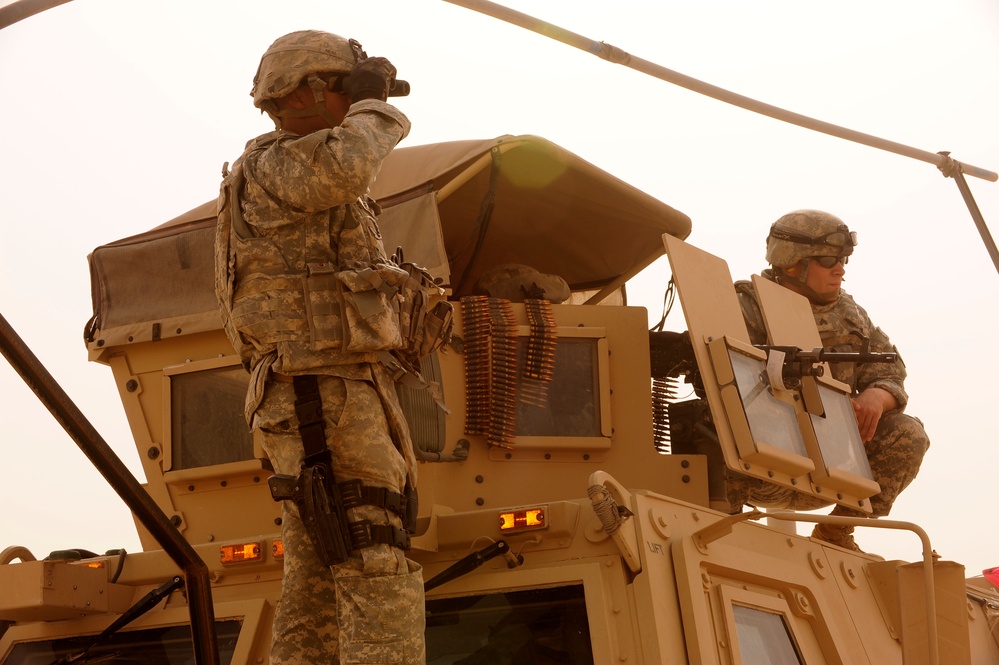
column 523, row 519
column 277, row 549
column 240, row 552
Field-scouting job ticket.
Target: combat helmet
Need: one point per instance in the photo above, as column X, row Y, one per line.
column 801, row 234
column 297, row 55
column 309, row 56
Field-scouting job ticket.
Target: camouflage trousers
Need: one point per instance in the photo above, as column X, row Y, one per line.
column 894, row 453
column 369, row 609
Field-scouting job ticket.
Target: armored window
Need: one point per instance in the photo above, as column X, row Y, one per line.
column 761, row 629
column 764, row 638
column 151, row 646
column 570, row 404
column 570, row 411
column 207, row 426
column 532, row 626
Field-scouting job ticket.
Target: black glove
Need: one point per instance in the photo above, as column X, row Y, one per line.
column 371, row 78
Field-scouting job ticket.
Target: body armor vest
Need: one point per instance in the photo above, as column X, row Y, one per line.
column 324, row 285
column 843, row 327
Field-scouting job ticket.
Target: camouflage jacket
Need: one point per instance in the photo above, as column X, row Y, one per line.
column 296, row 232
column 843, row 325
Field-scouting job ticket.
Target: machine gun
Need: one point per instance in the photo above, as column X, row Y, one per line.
column 796, row 363
column 672, row 357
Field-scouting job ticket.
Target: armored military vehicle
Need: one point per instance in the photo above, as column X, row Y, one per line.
column 572, row 508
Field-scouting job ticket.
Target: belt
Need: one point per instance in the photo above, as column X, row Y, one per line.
column 282, row 378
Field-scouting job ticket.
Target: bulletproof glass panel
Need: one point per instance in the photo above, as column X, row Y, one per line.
column 547, row 387
column 533, row 626
column 151, row 646
column 838, row 436
column 764, row 637
column 568, row 406
column 770, row 420
column 207, row 426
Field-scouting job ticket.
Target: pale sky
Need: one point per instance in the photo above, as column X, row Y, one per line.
column 117, row 116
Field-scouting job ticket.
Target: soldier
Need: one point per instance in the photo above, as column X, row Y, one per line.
column 306, row 296
column 808, row 251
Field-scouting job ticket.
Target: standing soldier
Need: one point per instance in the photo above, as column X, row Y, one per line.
column 808, row 251
column 307, row 298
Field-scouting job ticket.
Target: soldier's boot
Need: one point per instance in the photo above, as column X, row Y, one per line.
column 835, row 534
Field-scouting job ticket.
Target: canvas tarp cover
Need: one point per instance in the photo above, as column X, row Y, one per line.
column 458, row 208
column 159, row 284
column 547, row 208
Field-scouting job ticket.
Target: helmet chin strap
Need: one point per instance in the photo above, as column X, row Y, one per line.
column 796, row 276
column 318, row 86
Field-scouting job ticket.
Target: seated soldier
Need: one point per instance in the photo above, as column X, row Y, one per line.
column 808, row 251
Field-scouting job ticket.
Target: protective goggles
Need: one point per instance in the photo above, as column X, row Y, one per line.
column 842, row 237
column 829, row 261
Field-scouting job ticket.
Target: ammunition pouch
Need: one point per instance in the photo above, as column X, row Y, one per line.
column 424, row 326
column 369, row 302
column 388, row 307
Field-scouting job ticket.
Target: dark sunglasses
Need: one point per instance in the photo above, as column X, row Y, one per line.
column 829, row 261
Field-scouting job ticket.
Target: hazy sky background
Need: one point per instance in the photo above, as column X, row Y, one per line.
column 117, row 116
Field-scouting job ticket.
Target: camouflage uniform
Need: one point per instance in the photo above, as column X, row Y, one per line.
column 304, row 202
column 899, row 443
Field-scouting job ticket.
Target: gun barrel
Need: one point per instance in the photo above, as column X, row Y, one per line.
column 848, row 357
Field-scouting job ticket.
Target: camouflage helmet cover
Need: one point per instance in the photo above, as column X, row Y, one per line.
column 804, row 233
column 515, row 282
column 295, row 56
